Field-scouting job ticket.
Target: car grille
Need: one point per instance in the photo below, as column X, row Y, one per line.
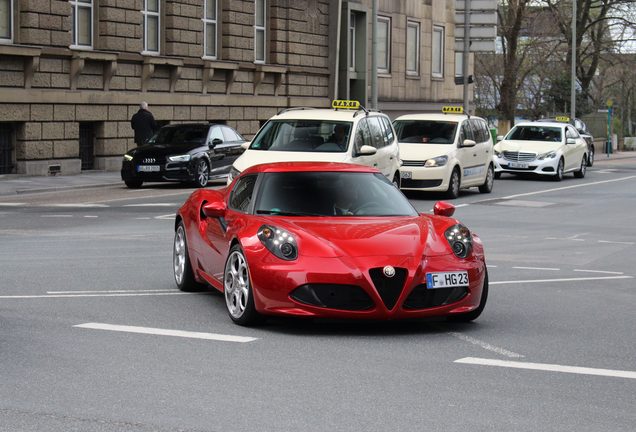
column 389, row 288
column 413, row 163
column 333, row 296
column 519, row 156
column 423, row 298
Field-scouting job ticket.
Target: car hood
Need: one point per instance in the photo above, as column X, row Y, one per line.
column 422, row 152
column 528, row 146
column 167, row 149
column 254, row 157
column 359, row 237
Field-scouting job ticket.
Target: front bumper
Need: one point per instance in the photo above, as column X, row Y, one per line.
column 172, row 171
column 357, row 288
column 536, row 166
column 424, row 178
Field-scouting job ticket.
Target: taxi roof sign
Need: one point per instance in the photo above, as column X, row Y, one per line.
column 345, row 104
column 563, row 119
column 453, row 109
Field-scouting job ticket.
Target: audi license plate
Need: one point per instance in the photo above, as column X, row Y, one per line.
column 446, row 279
column 405, row 174
column 147, row 168
column 518, row 165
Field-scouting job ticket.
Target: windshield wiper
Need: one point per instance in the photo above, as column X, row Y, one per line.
column 286, row 213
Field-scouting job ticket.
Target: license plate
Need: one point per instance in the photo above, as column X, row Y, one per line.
column 405, row 174
column 147, row 168
column 446, row 279
column 518, row 165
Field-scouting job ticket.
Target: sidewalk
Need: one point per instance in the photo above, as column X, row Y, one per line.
column 15, row 184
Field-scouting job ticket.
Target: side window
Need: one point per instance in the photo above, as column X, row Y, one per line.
column 466, row 132
column 389, row 135
column 377, row 132
column 363, row 136
column 241, row 196
column 229, row 134
column 571, row 133
column 216, row 133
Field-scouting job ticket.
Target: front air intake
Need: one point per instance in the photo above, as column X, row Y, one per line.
column 389, row 288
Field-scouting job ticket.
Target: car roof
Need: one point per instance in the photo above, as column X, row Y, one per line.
column 435, row 117
column 323, row 114
column 543, row 124
column 308, row 167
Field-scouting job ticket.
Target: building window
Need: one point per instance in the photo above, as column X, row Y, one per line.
column 412, row 48
column 352, row 42
column 82, row 18
column 151, row 13
column 438, row 52
column 210, row 22
column 459, row 63
column 6, row 21
column 260, row 19
column 384, row 44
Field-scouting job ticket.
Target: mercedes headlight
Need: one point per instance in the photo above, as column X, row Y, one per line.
column 498, row 153
column 179, row 158
column 279, row 242
column 436, row 162
column 234, row 173
column 460, row 240
column 548, row 155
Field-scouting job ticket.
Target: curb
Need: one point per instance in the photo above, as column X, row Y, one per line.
column 56, row 189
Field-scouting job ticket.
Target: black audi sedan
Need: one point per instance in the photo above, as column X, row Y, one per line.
column 188, row 153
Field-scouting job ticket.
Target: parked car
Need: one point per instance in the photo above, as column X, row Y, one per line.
column 544, row 148
column 346, row 135
column 312, row 239
column 581, row 127
column 444, row 152
column 189, row 153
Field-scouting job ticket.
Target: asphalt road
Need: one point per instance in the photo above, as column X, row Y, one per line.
column 94, row 335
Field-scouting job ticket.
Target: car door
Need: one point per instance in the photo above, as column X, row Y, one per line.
column 378, row 138
column 215, row 152
column 467, row 156
column 573, row 152
column 363, row 137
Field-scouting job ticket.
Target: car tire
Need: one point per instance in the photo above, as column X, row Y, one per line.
column 237, row 289
column 133, row 184
column 453, row 184
column 396, row 180
column 590, row 156
column 490, row 180
column 558, row 175
column 181, row 265
column 202, row 174
column 580, row 173
column 474, row 314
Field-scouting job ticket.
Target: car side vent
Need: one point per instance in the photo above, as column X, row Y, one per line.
column 389, row 288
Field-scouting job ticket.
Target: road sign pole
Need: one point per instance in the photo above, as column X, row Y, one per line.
column 465, row 53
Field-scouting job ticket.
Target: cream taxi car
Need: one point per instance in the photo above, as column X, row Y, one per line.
column 345, row 133
column 444, row 152
column 545, row 148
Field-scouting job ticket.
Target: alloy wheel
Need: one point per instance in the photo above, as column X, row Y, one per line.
column 236, row 284
column 179, row 255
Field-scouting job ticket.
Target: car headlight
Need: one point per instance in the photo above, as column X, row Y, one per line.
column 498, row 153
column 279, row 242
column 548, row 155
column 128, row 157
column 233, row 174
column 460, row 240
column 436, row 162
column 179, row 158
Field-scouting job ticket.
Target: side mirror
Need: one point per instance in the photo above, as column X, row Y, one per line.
column 499, row 138
column 246, row 145
column 215, row 207
column 443, row 208
column 215, row 142
column 366, row 150
column 570, row 141
column 468, row 143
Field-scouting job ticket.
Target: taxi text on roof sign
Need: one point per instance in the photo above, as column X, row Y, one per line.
column 346, row 104
column 564, row 119
column 451, row 109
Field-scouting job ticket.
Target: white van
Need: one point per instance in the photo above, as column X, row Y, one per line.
column 325, row 135
column 444, row 152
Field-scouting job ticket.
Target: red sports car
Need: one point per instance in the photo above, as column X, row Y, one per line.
column 327, row 240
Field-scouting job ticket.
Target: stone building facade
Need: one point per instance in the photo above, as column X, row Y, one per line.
column 72, row 72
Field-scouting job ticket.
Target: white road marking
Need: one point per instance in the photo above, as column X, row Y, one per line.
column 151, row 205
column 521, row 203
column 90, row 216
column 599, row 271
column 548, row 367
column 491, row 266
column 75, row 205
column 565, row 238
column 169, row 216
column 57, row 216
column 11, row 204
column 485, row 345
column 559, row 280
column 142, row 218
column 569, row 187
column 167, row 332
column 537, row 268
column 111, row 291
column 37, row 296
column 616, row 242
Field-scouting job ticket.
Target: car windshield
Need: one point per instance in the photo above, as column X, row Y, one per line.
column 330, row 194
column 303, row 136
column 180, row 135
column 425, row 131
column 535, row 133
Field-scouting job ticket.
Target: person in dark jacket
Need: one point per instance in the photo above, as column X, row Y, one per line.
column 143, row 123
